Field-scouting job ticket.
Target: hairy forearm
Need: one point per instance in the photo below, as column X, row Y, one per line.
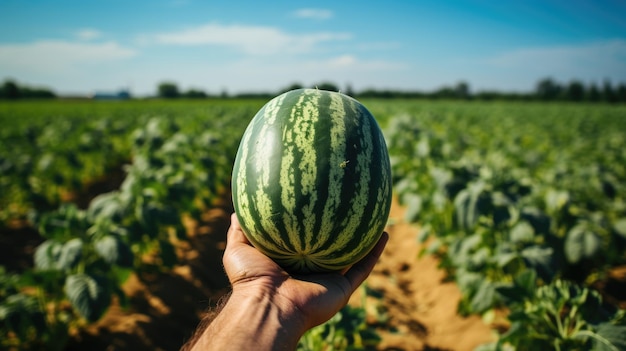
column 252, row 322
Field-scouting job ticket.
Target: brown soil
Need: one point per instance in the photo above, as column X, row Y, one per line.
column 418, row 306
column 415, row 309
column 165, row 307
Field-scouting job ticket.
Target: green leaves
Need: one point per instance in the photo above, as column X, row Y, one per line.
column 541, row 259
column 70, row 254
column 512, row 200
column 88, row 295
column 609, row 337
column 90, row 252
column 21, row 314
column 54, row 255
column 521, row 233
column 470, row 203
column 346, row 330
column 175, row 161
column 620, row 227
column 559, row 316
column 114, row 251
column 47, row 254
column 413, row 204
column 581, row 244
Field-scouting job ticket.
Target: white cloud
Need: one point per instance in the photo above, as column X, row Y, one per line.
column 311, row 13
column 342, row 61
column 253, row 40
column 88, row 34
column 53, row 55
column 352, row 63
column 595, row 60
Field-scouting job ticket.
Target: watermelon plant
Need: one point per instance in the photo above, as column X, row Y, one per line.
column 346, row 330
column 502, row 193
column 523, row 203
column 177, row 170
column 312, row 181
column 559, row 316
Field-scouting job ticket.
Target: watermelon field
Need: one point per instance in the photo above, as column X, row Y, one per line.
column 507, row 229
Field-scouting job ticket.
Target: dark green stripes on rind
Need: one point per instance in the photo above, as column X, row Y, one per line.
column 312, row 181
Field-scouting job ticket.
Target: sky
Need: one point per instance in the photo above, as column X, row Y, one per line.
column 83, row 47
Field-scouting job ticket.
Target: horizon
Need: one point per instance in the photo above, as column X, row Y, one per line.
column 242, row 47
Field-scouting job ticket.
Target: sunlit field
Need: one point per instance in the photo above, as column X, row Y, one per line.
column 522, row 204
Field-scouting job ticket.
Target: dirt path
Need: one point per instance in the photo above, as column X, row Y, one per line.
column 416, row 310
column 418, row 305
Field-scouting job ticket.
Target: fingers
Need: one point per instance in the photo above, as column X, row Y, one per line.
column 239, row 252
column 236, row 241
column 362, row 269
column 235, row 234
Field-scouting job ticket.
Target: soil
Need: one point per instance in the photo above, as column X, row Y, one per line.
column 417, row 301
column 417, row 305
column 408, row 299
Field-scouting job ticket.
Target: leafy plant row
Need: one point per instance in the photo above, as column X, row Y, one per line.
column 88, row 253
column 525, row 207
column 42, row 164
column 176, row 165
column 52, row 150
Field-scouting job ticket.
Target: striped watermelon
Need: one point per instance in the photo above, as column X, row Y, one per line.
column 312, row 181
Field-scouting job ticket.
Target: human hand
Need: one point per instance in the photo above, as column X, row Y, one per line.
column 270, row 309
column 306, row 300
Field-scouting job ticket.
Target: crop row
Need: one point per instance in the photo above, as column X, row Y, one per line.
column 174, row 165
column 523, row 203
column 525, row 206
column 176, row 160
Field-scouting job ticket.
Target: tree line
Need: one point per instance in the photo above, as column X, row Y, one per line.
column 10, row 90
column 546, row 89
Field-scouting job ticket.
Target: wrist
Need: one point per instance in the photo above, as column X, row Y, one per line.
column 255, row 317
column 279, row 312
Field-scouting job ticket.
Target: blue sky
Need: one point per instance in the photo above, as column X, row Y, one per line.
column 243, row 46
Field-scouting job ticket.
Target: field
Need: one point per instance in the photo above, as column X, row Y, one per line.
column 508, row 226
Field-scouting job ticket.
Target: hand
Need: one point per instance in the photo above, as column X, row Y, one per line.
column 270, row 309
column 316, row 298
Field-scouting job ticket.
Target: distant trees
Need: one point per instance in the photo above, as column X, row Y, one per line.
column 169, row 90
column 460, row 91
column 293, row 86
column 546, row 89
column 550, row 90
column 327, row 86
column 575, row 91
column 10, row 90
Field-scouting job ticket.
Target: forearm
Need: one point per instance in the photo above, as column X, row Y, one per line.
column 252, row 322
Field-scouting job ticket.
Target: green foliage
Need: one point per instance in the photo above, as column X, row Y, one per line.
column 11, row 90
column 346, row 330
column 559, row 316
column 87, row 295
column 170, row 175
column 168, row 90
column 177, row 169
column 524, row 204
column 24, row 321
column 501, row 190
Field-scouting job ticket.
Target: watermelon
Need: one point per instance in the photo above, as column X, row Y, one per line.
column 311, row 181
